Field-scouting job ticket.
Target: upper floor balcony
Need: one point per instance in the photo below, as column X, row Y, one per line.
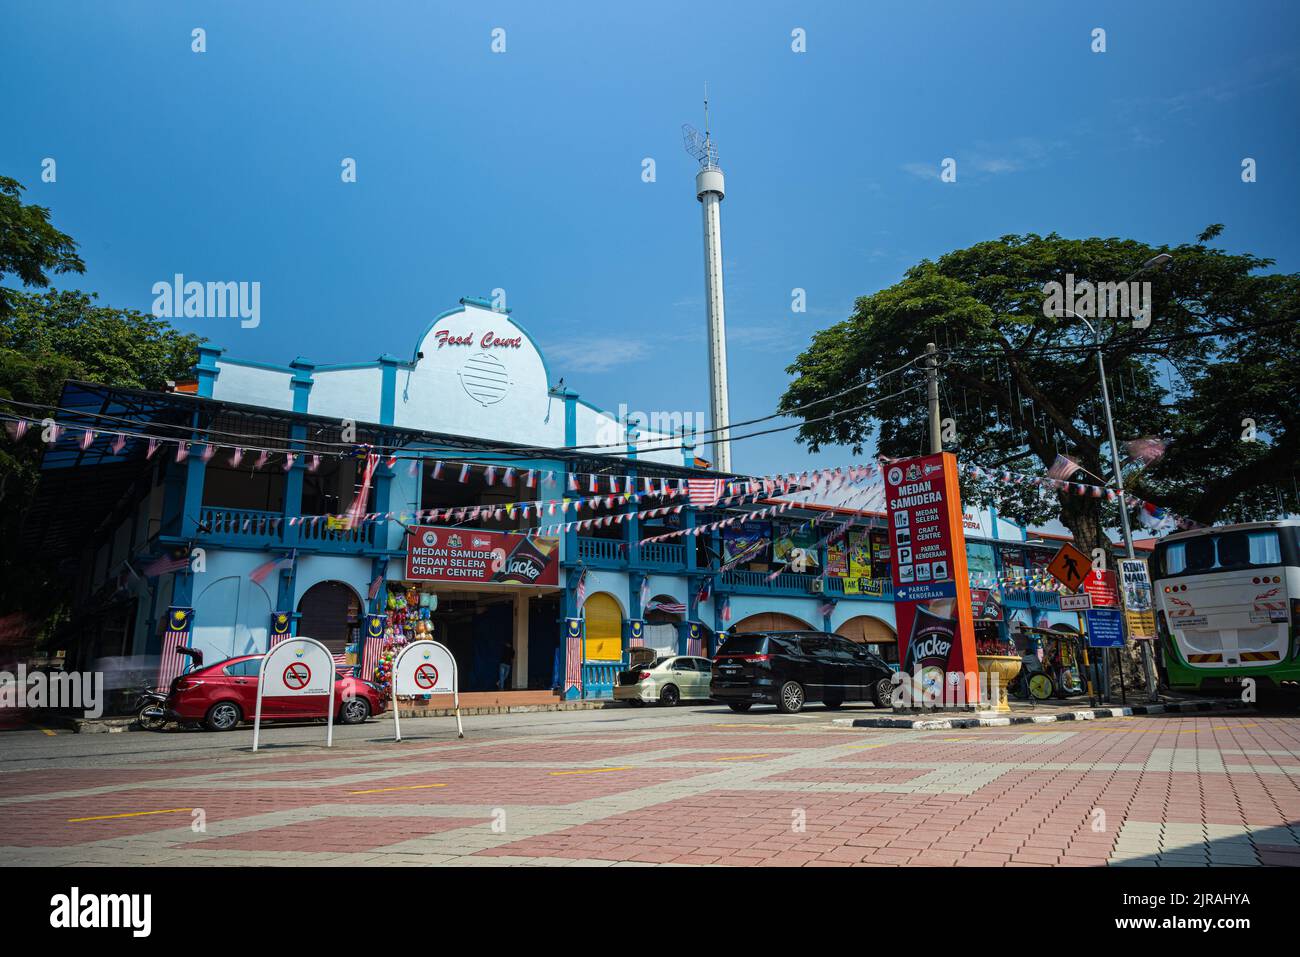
column 254, row 528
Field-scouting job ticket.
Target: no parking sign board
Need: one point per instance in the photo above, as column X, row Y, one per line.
column 422, row 668
column 296, row 667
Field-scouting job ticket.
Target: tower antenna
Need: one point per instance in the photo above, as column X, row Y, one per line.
column 709, row 190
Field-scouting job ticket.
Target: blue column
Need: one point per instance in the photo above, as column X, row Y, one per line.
column 206, row 371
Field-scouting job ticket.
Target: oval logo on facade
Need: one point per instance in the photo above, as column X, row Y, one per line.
column 484, row 379
column 895, row 476
column 430, row 538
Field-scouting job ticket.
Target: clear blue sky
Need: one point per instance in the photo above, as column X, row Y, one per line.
column 522, row 170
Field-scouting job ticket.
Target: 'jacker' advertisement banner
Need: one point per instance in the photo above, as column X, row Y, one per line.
column 932, row 601
column 468, row 555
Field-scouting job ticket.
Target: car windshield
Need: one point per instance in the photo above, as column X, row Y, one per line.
column 744, row 645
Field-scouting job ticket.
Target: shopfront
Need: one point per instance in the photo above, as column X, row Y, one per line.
column 491, row 597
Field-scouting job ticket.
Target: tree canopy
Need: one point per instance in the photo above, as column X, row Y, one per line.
column 46, row 339
column 1021, row 386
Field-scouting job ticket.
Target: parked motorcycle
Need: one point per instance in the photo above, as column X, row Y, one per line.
column 151, row 703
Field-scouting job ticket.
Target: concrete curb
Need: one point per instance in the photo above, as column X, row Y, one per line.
column 589, row 705
column 1002, row 720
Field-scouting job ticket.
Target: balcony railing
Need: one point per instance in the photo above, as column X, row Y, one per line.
column 1045, row 599
column 253, row 527
column 608, row 550
column 664, row 553
column 763, row 583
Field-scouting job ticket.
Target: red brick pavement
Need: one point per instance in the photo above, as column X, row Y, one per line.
column 1012, row 797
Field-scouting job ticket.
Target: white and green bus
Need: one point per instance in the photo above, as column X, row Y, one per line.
column 1228, row 604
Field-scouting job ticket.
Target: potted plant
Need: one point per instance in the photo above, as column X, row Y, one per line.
column 998, row 662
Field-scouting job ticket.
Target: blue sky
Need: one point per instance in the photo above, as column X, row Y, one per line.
column 522, row 170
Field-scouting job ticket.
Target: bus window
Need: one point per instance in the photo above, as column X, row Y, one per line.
column 1199, row 554
column 1265, row 548
column 1175, row 558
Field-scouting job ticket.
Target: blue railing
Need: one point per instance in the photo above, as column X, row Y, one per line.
column 598, row 678
column 1045, row 599
column 601, row 550
column 664, row 553
column 254, row 527
column 763, row 583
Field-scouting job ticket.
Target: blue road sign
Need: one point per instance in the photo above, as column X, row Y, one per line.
column 1105, row 628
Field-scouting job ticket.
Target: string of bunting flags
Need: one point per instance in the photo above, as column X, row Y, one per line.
column 603, row 489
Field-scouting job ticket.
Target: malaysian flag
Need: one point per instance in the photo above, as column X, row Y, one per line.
column 669, row 607
column 726, row 609
column 264, row 571
column 581, row 591
column 573, row 654
column 694, row 641
column 1146, row 450
column 375, row 586
column 706, row 589
column 704, row 493
column 180, row 621
column 165, row 564
column 370, row 652
column 1062, row 468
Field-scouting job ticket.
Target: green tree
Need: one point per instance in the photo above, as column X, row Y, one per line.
column 44, row 340
column 1022, row 387
column 30, row 247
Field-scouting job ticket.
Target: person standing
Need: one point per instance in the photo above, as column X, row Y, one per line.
column 506, row 662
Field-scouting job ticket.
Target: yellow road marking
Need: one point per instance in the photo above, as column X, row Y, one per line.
column 404, row 787
column 45, row 731
column 743, row 757
column 868, row 747
column 594, row 770
column 110, row 817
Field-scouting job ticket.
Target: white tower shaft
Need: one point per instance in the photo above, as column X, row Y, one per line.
column 709, row 187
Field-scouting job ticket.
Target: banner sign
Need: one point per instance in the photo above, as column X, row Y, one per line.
column 1105, row 628
column 789, row 536
column 469, row 555
column 1135, row 584
column 745, row 542
column 425, row 668
column 1101, row 586
column 871, row 587
column 296, row 667
column 932, row 601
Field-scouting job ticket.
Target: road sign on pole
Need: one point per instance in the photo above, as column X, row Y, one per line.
column 1070, row 567
column 296, row 667
column 424, row 668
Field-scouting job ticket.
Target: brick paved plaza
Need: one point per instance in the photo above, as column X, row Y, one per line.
column 687, row 786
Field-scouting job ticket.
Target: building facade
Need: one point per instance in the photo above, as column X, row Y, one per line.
column 397, row 496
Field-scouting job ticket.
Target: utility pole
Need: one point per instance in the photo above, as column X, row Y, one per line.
column 932, row 386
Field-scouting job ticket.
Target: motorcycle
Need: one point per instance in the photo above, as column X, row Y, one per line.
column 151, row 703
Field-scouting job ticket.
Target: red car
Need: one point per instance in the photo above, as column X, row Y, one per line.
column 224, row 694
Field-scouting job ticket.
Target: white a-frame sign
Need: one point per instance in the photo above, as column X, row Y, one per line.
column 297, row 667
column 421, row 668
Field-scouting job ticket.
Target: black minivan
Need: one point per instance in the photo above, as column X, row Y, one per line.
column 791, row 668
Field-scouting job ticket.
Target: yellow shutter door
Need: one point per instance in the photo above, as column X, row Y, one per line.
column 604, row 628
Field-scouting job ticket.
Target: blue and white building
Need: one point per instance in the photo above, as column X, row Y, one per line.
column 239, row 470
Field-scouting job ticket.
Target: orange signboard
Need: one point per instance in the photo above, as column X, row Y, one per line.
column 1070, row 567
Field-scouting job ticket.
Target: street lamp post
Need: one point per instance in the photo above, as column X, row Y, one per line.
column 1155, row 262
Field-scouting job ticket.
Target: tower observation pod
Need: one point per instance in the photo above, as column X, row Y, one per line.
column 709, row 190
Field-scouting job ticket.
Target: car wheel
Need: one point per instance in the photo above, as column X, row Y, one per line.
column 354, row 711
column 883, row 692
column 832, row 703
column 740, row 707
column 791, row 698
column 223, row 716
column 669, row 696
